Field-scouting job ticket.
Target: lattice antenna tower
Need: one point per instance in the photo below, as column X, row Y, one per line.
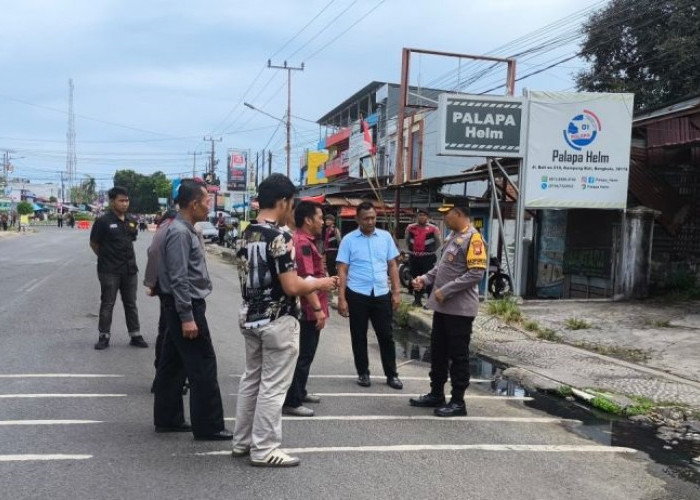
column 71, row 159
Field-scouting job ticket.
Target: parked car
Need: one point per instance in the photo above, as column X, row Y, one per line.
column 208, row 231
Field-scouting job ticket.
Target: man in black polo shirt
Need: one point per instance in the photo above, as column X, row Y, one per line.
column 112, row 239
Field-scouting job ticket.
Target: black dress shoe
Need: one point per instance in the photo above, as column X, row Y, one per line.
column 363, row 380
column 394, row 382
column 429, row 400
column 102, row 343
column 138, row 341
column 225, row 435
column 452, row 409
column 184, row 427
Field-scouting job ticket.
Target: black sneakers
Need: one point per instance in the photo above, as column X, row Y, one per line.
column 138, row 341
column 102, row 342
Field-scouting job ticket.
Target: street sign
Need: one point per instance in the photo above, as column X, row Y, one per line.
column 578, row 150
column 481, row 126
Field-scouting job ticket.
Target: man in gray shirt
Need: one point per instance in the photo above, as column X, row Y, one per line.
column 187, row 351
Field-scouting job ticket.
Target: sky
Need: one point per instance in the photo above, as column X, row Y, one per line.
column 153, row 78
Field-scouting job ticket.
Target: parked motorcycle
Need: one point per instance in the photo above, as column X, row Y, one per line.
column 230, row 238
column 499, row 282
column 405, row 270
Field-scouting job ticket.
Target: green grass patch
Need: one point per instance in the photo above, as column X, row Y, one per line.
column 606, row 405
column 577, row 324
column 564, row 391
column 506, row 309
column 657, row 323
column 548, row 334
column 531, row 325
column 623, row 353
column 401, row 314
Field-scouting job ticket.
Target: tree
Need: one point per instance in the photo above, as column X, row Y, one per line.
column 86, row 192
column 648, row 47
column 25, row 208
column 144, row 191
column 53, row 199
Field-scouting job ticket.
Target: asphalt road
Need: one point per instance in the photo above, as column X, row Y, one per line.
column 56, row 442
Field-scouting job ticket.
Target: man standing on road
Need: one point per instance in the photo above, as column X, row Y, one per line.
column 308, row 219
column 269, row 325
column 331, row 242
column 187, row 351
column 422, row 241
column 112, row 239
column 455, row 301
column 59, row 218
column 221, row 226
column 364, row 256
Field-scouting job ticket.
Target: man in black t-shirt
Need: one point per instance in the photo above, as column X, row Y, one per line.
column 111, row 239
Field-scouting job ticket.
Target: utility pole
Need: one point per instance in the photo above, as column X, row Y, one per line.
column 257, row 169
column 71, row 158
column 63, row 190
column 289, row 106
column 194, row 162
column 213, row 161
column 269, row 163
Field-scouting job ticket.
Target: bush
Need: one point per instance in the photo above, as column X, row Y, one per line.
column 25, row 208
column 506, row 309
column 577, row 324
column 84, row 216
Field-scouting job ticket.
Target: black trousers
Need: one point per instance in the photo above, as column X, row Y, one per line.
column 126, row 285
column 331, row 256
column 182, row 359
column 161, row 330
column 419, row 266
column 449, row 349
column 378, row 310
column 308, row 342
column 222, row 236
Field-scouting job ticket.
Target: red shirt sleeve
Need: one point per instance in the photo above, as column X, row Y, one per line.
column 305, row 260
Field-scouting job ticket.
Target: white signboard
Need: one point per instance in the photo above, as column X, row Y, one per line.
column 578, row 150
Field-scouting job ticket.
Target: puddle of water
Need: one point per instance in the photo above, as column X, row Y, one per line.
column 677, row 458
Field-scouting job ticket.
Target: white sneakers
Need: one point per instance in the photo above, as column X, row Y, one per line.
column 276, row 458
column 299, row 411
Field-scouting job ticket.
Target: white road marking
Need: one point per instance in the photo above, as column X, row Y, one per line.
column 58, row 375
column 49, row 422
column 32, row 287
column 523, row 420
column 28, row 458
column 10, row 396
column 24, row 288
column 354, row 377
column 380, row 395
column 547, row 448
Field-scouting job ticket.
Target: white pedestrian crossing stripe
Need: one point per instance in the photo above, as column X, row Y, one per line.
column 49, row 422
column 59, row 375
column 362, row 418
column 391, row 395
column 535, row 448
column 33, row 458
column 12, row 396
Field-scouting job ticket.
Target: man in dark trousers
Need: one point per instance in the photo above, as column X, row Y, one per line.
column 111, row 239
column 365, row 257
column 422, row 241
column 308, row 220
column 455, row 300
column 221, row 226
column 187, row 351
column 331, row 242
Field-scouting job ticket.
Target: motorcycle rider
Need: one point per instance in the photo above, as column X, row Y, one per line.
column 422, row 241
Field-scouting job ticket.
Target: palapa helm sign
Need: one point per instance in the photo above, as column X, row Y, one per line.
column 481, row 125
column 578, row 150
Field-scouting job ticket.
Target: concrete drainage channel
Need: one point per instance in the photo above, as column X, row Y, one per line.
column 679, row 458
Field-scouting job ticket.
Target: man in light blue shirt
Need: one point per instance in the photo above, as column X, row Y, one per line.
column 364, row 257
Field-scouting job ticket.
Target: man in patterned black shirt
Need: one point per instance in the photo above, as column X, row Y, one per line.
column 268, row 321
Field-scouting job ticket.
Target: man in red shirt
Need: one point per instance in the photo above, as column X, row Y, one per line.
column 308, row 219
column 422, row 242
